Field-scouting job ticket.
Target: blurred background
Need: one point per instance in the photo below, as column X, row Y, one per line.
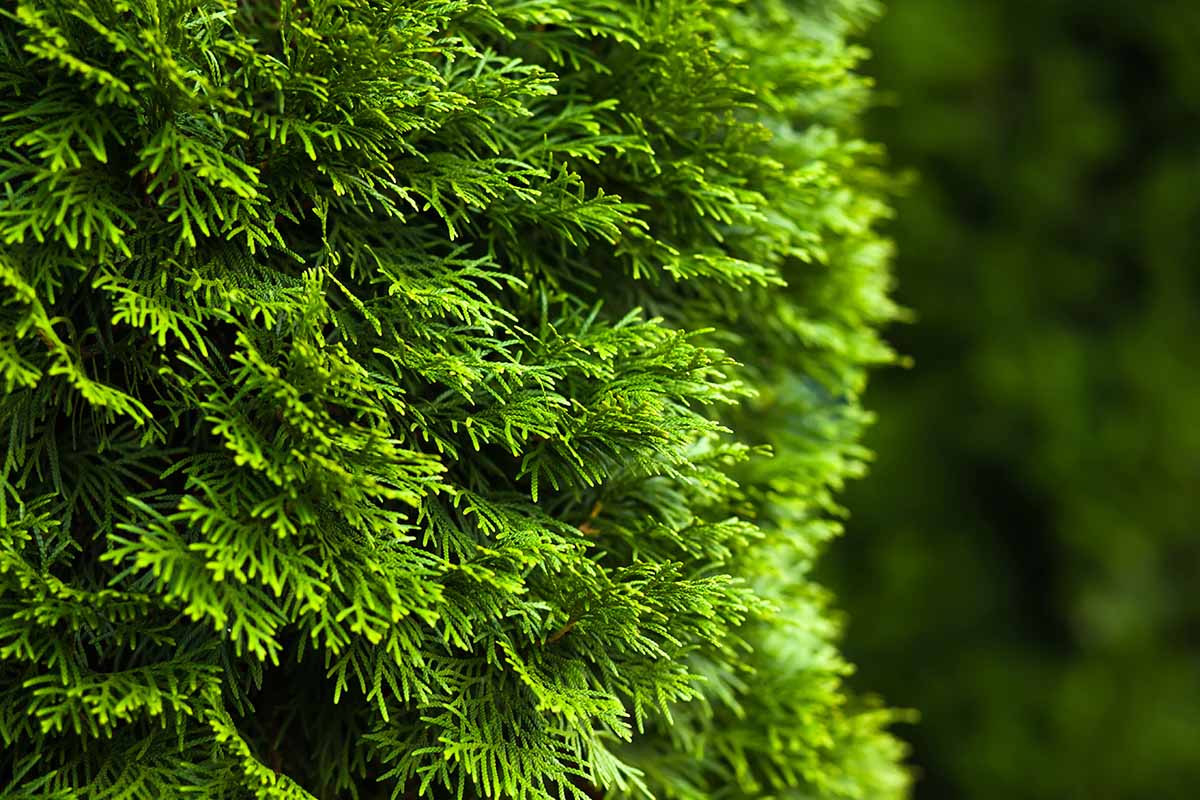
column 1023, row 563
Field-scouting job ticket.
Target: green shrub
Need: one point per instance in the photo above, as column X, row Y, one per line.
column 1022, row 563
column 388, row 390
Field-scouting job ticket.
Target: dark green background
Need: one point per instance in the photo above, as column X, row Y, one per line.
column 1023, row 563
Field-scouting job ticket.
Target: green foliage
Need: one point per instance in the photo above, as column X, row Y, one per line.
column 1024, row 566
column 390, row 392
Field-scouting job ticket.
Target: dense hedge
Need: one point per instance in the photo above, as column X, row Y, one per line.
column 1023, row 561
column 388, row 392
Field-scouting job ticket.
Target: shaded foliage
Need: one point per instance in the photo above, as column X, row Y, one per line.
column 1023, row 564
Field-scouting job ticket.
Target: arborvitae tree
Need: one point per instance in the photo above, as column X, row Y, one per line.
column 432, row 399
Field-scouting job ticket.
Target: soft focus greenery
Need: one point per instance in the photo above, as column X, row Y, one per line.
column 1023, row 564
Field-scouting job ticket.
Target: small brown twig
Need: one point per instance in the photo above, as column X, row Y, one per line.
column 586, row 527
column 561, row 632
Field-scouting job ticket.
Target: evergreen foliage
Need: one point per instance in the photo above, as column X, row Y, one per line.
column 390, row 392
column 1032, row 587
